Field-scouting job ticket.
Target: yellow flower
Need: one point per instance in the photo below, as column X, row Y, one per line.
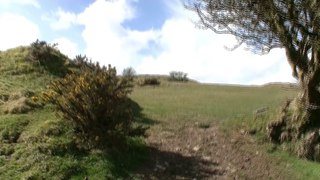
column 34, row 98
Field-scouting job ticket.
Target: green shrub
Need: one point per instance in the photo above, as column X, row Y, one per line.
column 178, row 76
column 129, row 72
column 151, row 81
column 95, row 100
column 48, row 56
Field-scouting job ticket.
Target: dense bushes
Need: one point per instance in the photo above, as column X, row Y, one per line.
column 178, row 76
column 149, row 81
column 48, row 56
column 95, row 101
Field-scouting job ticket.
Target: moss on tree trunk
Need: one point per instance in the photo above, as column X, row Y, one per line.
column 299, row 121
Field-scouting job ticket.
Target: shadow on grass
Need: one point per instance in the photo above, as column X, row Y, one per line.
column 138, row 161
column 139, row 116
column 124, row 162
column 171, row 165
column 148, row 162
column 116, row 162
column 120, row 160
column 130, row 157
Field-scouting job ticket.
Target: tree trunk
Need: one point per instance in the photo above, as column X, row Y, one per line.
column 310, row 101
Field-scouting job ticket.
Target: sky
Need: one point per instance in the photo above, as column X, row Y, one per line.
column 153, row 37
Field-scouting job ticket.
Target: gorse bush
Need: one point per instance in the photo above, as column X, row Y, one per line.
column 48, row 56
column 95, row 101
column 39, row 51
column 178, row 76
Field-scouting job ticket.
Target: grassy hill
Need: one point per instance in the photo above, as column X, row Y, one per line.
column 37, row 144
column 34, row 141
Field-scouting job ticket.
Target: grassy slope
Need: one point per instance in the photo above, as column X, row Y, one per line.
column 233, row 106
column 200, row 102
column 43, row 147
column 39, row 144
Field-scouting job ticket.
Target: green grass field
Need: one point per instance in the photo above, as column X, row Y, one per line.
column 231, row 106
column 38, row 144
column 204, row 102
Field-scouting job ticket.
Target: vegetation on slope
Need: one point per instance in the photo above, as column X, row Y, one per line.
column 263, row 26
column 233, row 107
column 34, row 141
column 95, row 102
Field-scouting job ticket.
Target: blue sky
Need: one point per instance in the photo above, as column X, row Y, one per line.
column 153, row 37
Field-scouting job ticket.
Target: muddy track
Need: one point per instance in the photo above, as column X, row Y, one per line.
column 190, row 152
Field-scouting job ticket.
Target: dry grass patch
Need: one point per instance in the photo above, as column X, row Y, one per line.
column 19, row 103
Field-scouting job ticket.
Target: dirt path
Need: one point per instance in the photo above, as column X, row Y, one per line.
column 191, row 152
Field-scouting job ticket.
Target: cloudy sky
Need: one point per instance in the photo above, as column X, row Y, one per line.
column 152, row 36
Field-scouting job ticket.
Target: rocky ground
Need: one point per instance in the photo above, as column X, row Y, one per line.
column 190, row 151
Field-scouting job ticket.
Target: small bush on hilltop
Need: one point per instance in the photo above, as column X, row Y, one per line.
column 48, row 56
column 95, row 101
column 149, row 81
column 178, row 76
column 129, row 72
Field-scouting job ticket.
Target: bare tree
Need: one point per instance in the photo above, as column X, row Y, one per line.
column 266, row 24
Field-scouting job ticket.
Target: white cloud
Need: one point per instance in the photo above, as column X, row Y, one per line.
column 202, row 55
column 61, row 20
column 179, row 46
column 34, row 3
column 67, row 47
column 107, row 41
column 16, row 30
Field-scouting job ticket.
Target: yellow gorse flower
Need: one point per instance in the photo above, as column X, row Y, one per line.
column 34, row 98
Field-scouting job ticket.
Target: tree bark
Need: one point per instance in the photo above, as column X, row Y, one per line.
column 311, row 101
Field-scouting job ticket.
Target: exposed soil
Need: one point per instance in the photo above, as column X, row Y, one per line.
column 190, row 151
